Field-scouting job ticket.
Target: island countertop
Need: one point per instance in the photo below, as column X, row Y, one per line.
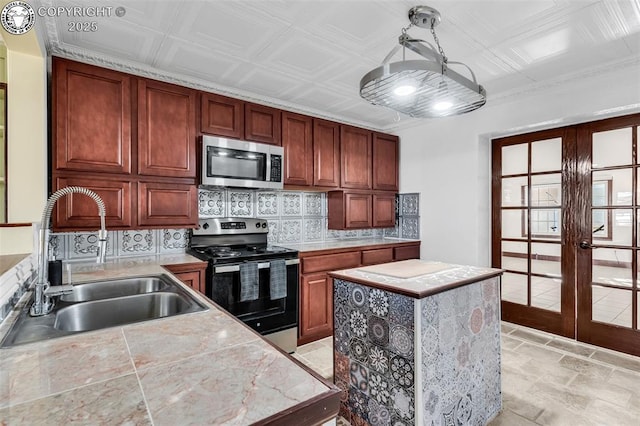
column 416, row 278
column 198, row 368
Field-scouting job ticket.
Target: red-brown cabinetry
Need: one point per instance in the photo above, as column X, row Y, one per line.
column 355, row 151
column 297, row 141
column 222, row 116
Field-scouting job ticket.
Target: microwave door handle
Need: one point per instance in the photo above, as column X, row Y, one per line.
column 268, row 166
column 263, row 265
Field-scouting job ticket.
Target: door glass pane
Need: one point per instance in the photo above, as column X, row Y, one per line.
column 610, row 226
column 514, row 223
column 611, row 266
column 515, row 159
column 545, row 259
column 546, row 190
column 611, row 305
column 514, row 192
column 546, row 155
column 514, row 288
column 514, row 256
column 546, row 224
column 612, row 187
column 612, row 148
column 545, row 293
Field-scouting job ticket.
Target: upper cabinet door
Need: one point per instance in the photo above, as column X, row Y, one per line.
column 326, row 153
column 298, row 149
column 166, row 129
column 222, row 116
column 355, row 147
column 385, row 162
column 262, row 124
column 91, row 118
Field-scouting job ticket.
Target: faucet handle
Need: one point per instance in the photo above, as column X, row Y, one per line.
column 57, row 290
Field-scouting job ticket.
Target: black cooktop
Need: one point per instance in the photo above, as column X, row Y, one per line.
column 241, row 253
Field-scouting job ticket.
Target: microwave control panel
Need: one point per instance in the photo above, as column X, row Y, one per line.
column 276, row 168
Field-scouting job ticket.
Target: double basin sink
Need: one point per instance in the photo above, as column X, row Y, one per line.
column 102, row 304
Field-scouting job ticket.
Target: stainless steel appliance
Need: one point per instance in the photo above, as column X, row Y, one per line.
column 230, row 162
column 229, row 245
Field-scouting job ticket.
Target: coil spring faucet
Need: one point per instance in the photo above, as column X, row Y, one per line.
column 42, row 302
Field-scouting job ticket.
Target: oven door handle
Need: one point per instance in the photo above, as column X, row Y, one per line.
column 262, row 265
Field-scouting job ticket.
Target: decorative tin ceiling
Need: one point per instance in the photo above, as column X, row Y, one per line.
column 309, row 55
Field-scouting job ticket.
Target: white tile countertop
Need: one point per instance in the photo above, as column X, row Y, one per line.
column 197, row 368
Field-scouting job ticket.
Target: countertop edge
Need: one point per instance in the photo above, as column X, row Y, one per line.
column 377, row 244
column 416, row 294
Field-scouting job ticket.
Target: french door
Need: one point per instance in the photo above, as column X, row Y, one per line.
column 566, row 209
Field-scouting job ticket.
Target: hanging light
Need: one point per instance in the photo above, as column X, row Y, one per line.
column 426, row 87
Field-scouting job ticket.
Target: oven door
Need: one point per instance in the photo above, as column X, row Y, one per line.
column 263, row 314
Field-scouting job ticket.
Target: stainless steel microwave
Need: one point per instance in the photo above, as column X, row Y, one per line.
column 241, row 164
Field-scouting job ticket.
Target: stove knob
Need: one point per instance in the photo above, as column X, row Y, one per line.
column 264, row 224
column 257, row 224
column 205, row 226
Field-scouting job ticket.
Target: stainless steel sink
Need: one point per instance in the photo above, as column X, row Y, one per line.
column 103, row 304
column 115, row 288
column 121, row 310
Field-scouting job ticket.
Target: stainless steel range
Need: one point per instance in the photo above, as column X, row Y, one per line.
column 254, row 281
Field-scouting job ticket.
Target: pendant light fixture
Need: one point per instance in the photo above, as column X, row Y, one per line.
column 424, row 87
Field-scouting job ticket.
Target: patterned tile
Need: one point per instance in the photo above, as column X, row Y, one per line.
column 410, row 204
column 392, row 232
column 378, row 331
column 211, row 203
column 173, row 240
column 240, row 204
column 378, row 232
column 137, row 242
column 57, row 246
column 365, row 233
column 313, row 204
column 401, row 340
column 291, row 203
column 290, row 231
column 274, row 231
column 267, row 204
column 409, row 227
column 85, row 244
column 312, row 229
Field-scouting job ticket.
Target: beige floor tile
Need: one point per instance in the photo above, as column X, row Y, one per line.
column 605, row 413
column 520, row 405
column 625, row 379
column 510, row 343
column 531, row 336
column 575, row 348
column 558, row 415
column 552, row 392
column 598, row 389
column 552, row 372
column 624, row 361
column 585, row 367
column 310, row 347
column 321, row 357
column 540, row 353
column 509, row 418
column 506, row 328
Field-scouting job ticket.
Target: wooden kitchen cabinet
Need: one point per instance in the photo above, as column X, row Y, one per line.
column 262, row 124
column 349, row 210
column 297, row 141
column 406, row 252
column 326, row 154
column 192, row 274
column 222, row 116
column 91, row 113
column 355, row 151
column 78, row 211
column 166, row 129
column 167, row 204
column 385, row 162
column 316, row 310
column 384, row 210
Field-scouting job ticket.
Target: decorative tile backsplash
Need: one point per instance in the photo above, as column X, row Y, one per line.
column 293, row 216
column 408, row 207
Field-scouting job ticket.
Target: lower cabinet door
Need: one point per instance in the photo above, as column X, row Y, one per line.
column 167, row 204
column 316, row 307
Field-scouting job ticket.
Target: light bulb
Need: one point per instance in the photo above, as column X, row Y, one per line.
column 404, row 89
column 442, row 105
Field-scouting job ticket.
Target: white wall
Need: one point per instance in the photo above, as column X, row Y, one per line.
column 448, row 160
column 27, row 138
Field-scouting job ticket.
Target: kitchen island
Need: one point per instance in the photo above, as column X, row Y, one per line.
column 198, row 368
column 417, row 342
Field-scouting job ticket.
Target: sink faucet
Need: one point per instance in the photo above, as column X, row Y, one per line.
column 42, row 302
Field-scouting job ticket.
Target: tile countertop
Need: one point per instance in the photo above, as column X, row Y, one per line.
column 444, row 277
column 338, row 244
column 198, row 368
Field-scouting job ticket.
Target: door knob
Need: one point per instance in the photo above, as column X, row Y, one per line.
column 584, row 244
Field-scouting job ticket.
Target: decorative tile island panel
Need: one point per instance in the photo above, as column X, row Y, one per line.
column 423, row 350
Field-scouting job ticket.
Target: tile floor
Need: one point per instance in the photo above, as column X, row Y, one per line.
column 546, row 380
